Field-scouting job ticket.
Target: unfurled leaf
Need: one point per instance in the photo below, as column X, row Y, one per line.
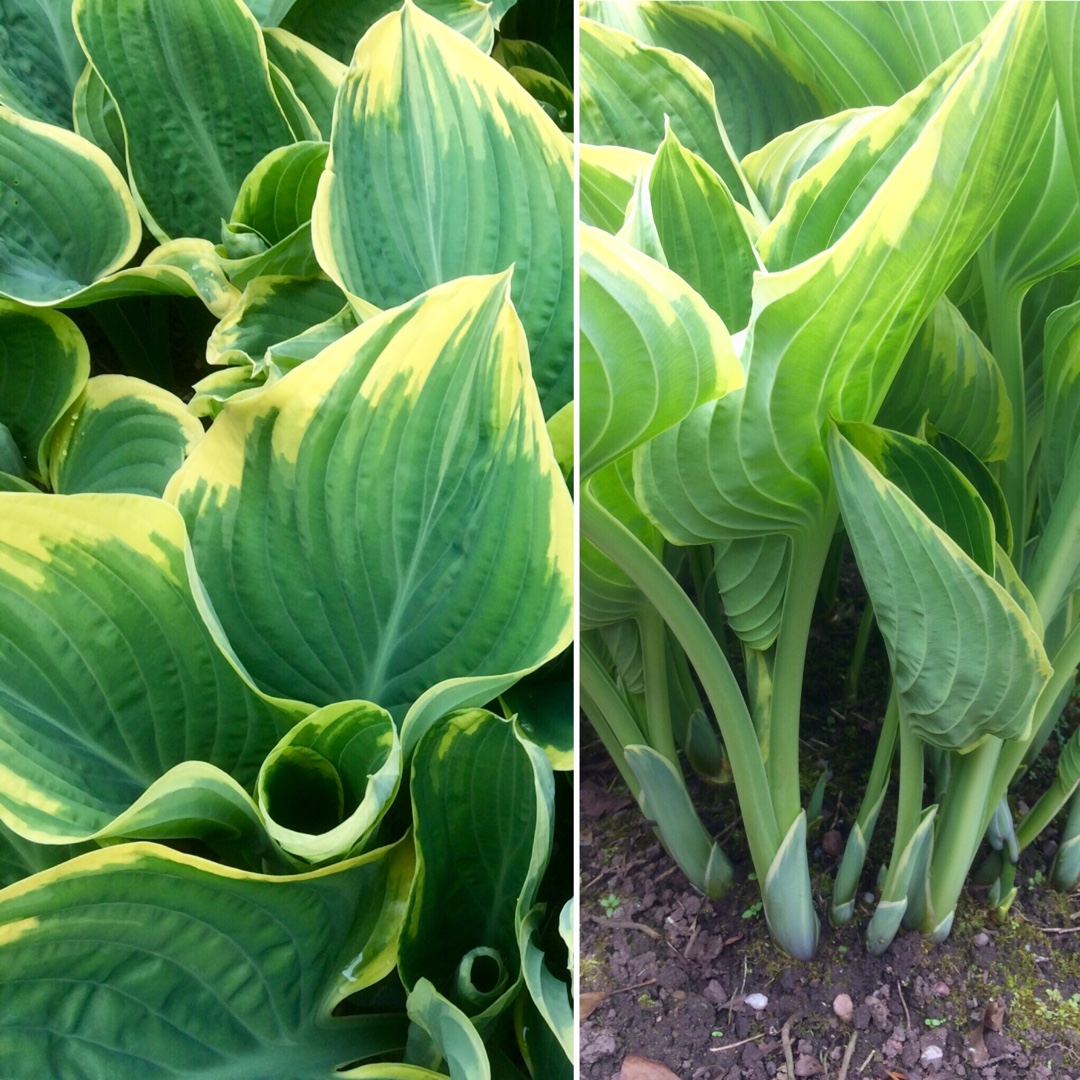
column 607, row 176
column 759, row 93
column 121, row 435
column 333, row 596
column 643, row 329
column 630, row 92
column 96, row 117
column 927, row 591
column 44, row 365
column 138, row 959
column 191, row 82
column 85, row 731
column 313, row 75
column 66, row 215
column 481, row 847
column 499, row 193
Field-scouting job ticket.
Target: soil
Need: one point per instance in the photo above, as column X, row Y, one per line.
column 678, row 969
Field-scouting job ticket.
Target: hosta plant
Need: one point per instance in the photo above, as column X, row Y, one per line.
column 285, row 725
column 803, row 280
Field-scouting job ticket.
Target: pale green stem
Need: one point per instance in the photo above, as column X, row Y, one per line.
column 808, row 555
column 909, row 804
column 1053, row 567
column 614, row 540
column 609, row 716
column 862, row 640
column 960, row 826
column 657, row 698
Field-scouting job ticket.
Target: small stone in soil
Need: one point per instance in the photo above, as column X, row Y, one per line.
column 981, row 940
column 843, row 1007
column 715, row 993
column 757, row 1002
column 931, row 1055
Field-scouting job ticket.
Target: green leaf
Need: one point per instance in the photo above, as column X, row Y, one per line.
column 607, row 176
column 97, row 118
column 665, row 801
column 926, row 590
column 752, row 576
column 606, row 596
column 40, row 59
column 270, row 312
column 315, row 76
column 543, row 704
column 950, row 379
column 482, row 847
column 66, row 215
column 139, row 961
column 1063, row 39
column 493, row 185
column 785, row 893
column 108, row 676
column 121, row 435
column 44, row 365
column 512, row 53
column 1061, row 428
column 759, row 92
column 630, row 92
column 325, row 787
column 651, row 350
column 932, row 483
column 335, row 26
column 826, row 338
column 441, row 388
column 190, row 79
column 12, row 462
column 702, row 234
column 446, row 1033
column 774, row 168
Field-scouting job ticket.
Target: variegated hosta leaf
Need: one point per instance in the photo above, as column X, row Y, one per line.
column 269, row 12
column 66, row 215
column 108, row 676
column 752, row 576
column 950, row 379
column 827, row 334
column 630, row 92
column 1039, row 232
column 776, row 166
column 315, row 76
column 492, row 185
column 651, row 350
column 138, row 961
column 325, row 787
column 482, row 800
column 271, row 311
column 40, row 59
column 121, row 435
column 607, row 176
column 221, row 386
column 513, row 53
column 869, row 54
column 12, row 462
column 44, row 365
column 335, row 26
column 191, row 82
column 932, row 483
column 183, row 267
column 1061, row 431
column 96, row 117
column 702, row 234
column 607, row 596
column 759, row 93
column 441, row 1032
column 20, row 858
column 336, row 577
column 543, row 704
column 927, row 592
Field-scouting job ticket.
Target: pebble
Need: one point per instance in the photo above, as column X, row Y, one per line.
column 931, row 1055
column 843, row 1007
column 981, row 940
column 869, row 897
column 757, row 1002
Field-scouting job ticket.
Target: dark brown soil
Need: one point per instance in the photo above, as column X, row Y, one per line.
column 678, row 969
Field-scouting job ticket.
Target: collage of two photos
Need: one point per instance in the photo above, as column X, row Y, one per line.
column 539, row 541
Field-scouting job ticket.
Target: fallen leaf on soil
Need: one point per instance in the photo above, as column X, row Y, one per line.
column 731, row 940
column 992, row 1018
column 639, row 1068
column 590, row 1001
